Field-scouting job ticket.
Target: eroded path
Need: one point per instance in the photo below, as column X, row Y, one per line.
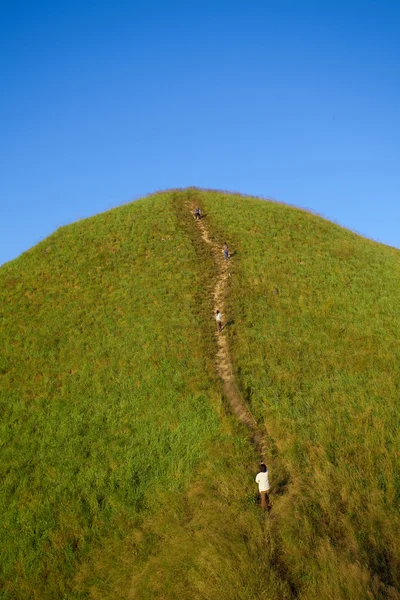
column 223, row 360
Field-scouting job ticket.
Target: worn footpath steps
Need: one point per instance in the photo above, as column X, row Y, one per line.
column 223, row 361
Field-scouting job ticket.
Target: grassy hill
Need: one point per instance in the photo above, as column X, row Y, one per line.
column 123, row 473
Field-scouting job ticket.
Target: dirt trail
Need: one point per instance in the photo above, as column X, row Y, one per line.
column 223, row 361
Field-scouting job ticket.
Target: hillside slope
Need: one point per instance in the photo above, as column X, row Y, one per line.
column 315, row 346
column 112, row 422
column 124, row 474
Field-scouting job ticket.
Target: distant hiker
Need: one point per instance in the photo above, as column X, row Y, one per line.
column 226, row 251
column 218, row 318
column 197, row 213
column 263, row 486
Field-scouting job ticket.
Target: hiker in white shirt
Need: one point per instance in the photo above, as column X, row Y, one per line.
column 263, row 486
column 218, row 318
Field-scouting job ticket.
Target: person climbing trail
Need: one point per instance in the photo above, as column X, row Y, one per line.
column 263, row 486
column 218, row 318
column 226, row 251
column 222, row 358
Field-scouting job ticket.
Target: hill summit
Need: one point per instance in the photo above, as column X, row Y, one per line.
column 127, row 469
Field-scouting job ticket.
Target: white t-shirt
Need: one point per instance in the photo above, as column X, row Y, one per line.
column 219, row 317
column 263, row 483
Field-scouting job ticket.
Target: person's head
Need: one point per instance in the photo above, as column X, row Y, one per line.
column 217, row 312
column 263, row 468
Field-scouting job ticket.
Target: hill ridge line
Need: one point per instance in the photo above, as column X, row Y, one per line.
column 223, row 360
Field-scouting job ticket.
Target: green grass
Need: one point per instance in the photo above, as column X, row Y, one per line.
column 111, row 412
column 123, row 474
column 315, row 346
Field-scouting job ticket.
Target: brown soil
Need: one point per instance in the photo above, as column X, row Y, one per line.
column 222, row 360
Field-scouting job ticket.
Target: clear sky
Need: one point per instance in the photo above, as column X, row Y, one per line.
column 103, row 102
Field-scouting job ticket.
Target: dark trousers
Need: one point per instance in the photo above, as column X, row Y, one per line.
column 264, row 500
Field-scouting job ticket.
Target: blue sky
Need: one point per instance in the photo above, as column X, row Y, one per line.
column 104, row 102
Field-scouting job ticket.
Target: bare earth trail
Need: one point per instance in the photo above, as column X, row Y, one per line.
column 223, row 361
